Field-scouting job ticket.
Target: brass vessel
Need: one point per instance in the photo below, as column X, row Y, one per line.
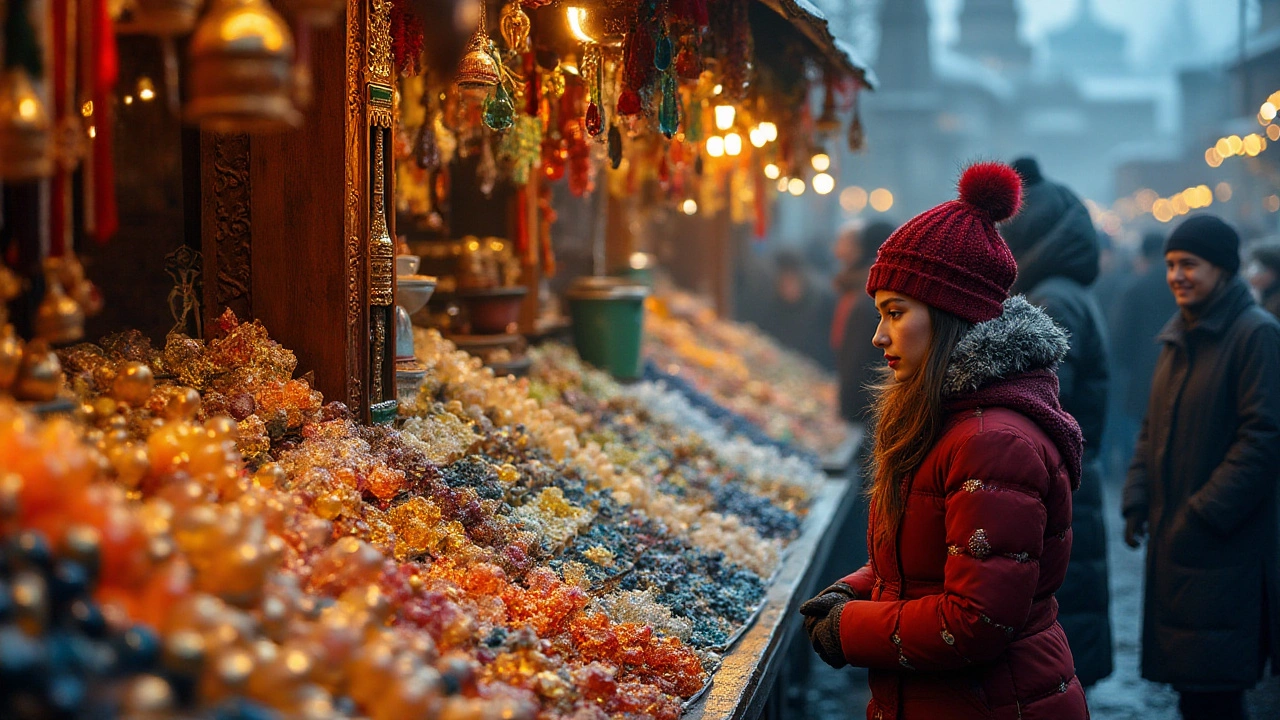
column 478, row 70
column 241, row 65
column 26, row 130
column 59, row 319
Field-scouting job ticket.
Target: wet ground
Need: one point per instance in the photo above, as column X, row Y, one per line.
column 834, row 694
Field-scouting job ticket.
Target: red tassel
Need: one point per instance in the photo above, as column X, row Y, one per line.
column 59, row 228
column 105, row 70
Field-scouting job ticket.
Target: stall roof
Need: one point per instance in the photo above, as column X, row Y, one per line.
column 810, row 21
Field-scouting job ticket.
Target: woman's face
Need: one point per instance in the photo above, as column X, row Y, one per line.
column 904, row 333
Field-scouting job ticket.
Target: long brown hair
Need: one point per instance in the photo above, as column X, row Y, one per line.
column 907, row 418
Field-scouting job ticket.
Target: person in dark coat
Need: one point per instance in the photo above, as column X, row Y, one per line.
column 1147, row 306
column 1203, row 482
column 799, row 314
column 1056, row 246
column 855, row 319
column 1265, row 275
column 974, row 465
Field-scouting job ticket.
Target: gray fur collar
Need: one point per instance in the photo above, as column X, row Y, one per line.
column 1021, row 339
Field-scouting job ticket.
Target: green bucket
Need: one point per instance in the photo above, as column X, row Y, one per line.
column 608, row 323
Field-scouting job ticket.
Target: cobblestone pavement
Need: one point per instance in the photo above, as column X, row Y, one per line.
column 835, row 694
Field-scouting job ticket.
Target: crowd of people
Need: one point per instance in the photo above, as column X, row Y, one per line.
column 1008, row 361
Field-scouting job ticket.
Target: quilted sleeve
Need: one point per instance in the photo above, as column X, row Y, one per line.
column 861, row 580
column 995, row 527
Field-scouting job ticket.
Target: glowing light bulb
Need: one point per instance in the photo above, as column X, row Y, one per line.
column 732, row 144
column 823, row 183
column 770, row 131
column 771, row 171
column 758, row 137
column 821, row 162
column 881, row 200
column 689, row 207
column 724, row 116
column 715, row 146
column 795, row 186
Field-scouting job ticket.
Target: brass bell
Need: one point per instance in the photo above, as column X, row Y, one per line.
column 162, row 18
column 59, row 319
column 241, row 64
column 26, row 132
column 10, row 356
column 39, row 374
column 477, row 69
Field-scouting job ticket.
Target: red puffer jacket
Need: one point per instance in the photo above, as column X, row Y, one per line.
column 959, row 620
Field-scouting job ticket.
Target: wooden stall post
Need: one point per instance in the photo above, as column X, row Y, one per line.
column 286, row 220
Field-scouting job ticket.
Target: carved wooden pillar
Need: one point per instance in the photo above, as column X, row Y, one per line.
column 286, row 219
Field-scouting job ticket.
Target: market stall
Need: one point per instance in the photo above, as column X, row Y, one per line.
column 304, row 500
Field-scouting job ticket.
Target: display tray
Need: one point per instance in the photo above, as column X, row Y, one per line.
column 838, row 461
column 740, row 686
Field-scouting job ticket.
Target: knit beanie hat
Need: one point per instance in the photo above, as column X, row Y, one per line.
column 951, row 257
column 1207, row 236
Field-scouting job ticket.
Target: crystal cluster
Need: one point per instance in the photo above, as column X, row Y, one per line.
column 740, row 369
column 514, row 548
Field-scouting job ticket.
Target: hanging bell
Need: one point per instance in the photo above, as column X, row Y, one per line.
column 10, row 357
column 514, row 25
column 59, row 319
column 26, row 131
column 39, row 374
column 478, row 70
column 162, row 18
column 241, row 64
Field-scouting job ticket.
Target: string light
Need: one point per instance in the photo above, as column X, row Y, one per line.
column 795, row 186
column 715, row 146
column 823, row 183
column 820, row 161
column 732, row 144
column 881, row 200
column 771, row 171
column 724, row 116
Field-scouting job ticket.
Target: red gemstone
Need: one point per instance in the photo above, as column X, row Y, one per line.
column 595, row 125
column 629, row 103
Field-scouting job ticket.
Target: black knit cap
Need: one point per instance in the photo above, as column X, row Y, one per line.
column 1207, row 236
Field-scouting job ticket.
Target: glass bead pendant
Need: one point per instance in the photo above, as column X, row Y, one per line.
column 499, row 112
column 662, row 53
column 595, row 124
column 615, row 147
column 669, row 112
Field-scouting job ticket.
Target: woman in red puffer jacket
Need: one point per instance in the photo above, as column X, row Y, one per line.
column 974, row 465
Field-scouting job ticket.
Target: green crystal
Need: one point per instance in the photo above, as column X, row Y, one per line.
column 499, row 111
column 669, row 112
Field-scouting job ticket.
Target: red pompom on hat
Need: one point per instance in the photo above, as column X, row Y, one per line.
column 951, row 257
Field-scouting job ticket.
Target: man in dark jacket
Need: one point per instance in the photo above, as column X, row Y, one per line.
column 1056, row 246
column 856, row 319
column 1265, row 275
column 1145, row 307
column 1203, row 481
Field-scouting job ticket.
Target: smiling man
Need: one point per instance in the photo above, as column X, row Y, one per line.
column 1203, row 481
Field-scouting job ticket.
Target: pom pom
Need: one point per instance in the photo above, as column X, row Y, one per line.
column 993, row 189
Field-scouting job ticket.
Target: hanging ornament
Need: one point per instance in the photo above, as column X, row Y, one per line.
column 615, row 147
column 26, row 129
column 499, row 111
column 688, row 61
column 662, row 53
column 241, row 64
column 406, row 39
column 487, row 170
column 514, row 25
column 426, row 148
column 519, row 149
column 629, row 103
column 594, row 123
column 693, row 124
column 828, row 122
column 478, row 70
column 857, row 136
column 59, row 319
column 669, row 112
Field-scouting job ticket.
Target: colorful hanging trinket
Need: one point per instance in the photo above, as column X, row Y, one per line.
column 669, row 112
column 615, row 147
column 499, row 110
